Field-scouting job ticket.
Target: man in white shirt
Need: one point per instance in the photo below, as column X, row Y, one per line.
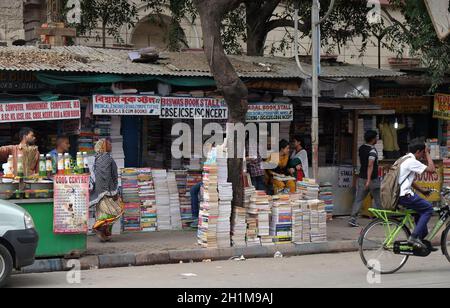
column 408, row 198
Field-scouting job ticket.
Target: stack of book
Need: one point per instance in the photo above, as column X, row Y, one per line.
column 185, row 202
column 318, row 221
column 252, row 230
column 175, row 214
column 162, row 199
column 238, row 227
column 209, row 208
column 326, row 195
column 248, row 194
column 224, row 220
column 262, row 204
column 131, row 200
column 148, row 200
column 86, row 141
column 308, row 189
column 281, row 222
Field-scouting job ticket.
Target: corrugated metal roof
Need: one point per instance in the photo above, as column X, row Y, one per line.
column 113, row 61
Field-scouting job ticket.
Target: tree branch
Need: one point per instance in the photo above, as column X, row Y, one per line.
column 285, row 22
column 394, row 20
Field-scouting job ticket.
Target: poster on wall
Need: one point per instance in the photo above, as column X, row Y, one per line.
column 431, row 180
column 270, row 112
column 71, row 204
column 193, row 108
column 126, row 105
column 39, row 111
column 441, row 106
column 345, row 176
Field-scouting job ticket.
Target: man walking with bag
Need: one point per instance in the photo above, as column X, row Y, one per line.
column 368, row 181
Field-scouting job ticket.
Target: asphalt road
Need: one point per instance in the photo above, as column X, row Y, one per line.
column 326, row 270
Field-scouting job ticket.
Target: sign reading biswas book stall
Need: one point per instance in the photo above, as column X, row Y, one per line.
column 71, row 204
column 39, row 111
column 193, row 108
column 126, row 105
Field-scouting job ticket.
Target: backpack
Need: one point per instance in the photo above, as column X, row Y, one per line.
column 390, row 187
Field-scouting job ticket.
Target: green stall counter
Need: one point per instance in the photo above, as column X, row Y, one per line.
column 50, row 244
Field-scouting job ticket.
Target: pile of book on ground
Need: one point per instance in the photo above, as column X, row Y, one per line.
column 308, row 189
column 260, row 209
column 185, row 201
column 162, row 199
column 308, row 221
column 148, row 200
column 131, row 200
column 238, row 227
column 251, row 236
column 209, row 208
column 281, row 221
column 326, row 195
column 175, row 214
column 225, row 198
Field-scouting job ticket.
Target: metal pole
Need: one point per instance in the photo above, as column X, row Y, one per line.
column 315, row 87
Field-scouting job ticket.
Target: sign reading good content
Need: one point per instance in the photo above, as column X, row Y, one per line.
column 71, row 209
column 441, row 106
column 39, row 111
column 193, row 108
column 273, row 112
column 126, row 105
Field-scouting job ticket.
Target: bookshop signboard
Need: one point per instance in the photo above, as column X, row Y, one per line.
column 442, row 107
column 126, row 105
column 193, row 108
column 71, row 204
column 39, row 111
column 272, row 112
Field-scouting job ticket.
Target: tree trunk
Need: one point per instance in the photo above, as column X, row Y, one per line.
column 256, row 42
column 228, row 82
column 256, row 31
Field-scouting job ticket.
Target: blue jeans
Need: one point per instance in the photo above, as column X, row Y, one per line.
column 423, row 208
column 258, row 183
column 195, row 200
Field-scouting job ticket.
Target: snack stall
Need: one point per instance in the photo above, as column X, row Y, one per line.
column 57, row 202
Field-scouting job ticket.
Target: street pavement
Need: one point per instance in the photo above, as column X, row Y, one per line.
column 324, row 270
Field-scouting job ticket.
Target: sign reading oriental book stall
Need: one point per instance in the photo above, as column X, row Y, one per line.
column 39, row 111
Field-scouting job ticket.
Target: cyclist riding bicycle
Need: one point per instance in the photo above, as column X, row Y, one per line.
column 408, row 199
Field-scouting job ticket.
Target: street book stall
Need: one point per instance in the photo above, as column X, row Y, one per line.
column 55, row 193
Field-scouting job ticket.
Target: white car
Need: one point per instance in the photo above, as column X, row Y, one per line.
column 18, row 239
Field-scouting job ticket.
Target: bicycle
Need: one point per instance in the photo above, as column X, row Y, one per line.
column 385, row 240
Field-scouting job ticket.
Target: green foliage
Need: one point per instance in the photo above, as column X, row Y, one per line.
column 110, row 14
column 418, row 34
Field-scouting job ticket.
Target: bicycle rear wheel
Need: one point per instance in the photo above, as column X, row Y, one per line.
column 445, row 242
column 374, row 252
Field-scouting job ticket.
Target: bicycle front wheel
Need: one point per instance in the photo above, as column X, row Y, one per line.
column 376, row 253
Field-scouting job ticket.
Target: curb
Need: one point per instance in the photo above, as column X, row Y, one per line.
column 195, row 255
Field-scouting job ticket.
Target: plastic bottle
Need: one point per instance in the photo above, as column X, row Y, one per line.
column 67, row 168
column 11, row 165
column 80, row 163
column 49, row 165
column 20, row 172
column 42, row 166
column 60, row 164
column 85, row 163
